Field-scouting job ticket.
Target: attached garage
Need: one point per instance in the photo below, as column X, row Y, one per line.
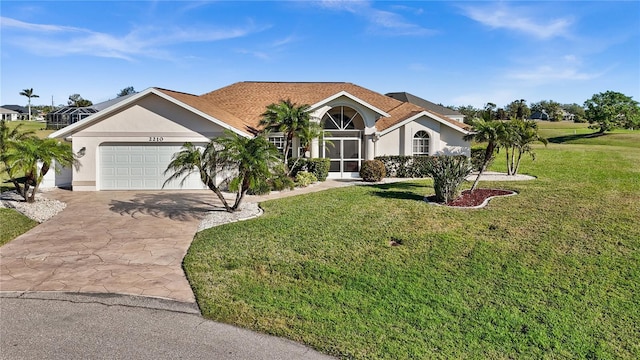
column 139, row 166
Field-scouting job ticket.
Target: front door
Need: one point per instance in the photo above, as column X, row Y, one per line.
column 345, row 156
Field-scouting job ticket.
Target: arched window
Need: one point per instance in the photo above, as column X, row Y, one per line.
column 421, row 143
column 342, row 118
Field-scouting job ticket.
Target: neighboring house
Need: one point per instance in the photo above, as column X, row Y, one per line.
column 23, row 112
column 68, row 115
column 426, row 104
column 8, row 114
column 539, row 115
column 129, row 144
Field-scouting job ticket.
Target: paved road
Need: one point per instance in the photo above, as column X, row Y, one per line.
column 81, row 326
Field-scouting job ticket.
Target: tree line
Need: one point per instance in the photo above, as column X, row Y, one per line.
column 605, row 111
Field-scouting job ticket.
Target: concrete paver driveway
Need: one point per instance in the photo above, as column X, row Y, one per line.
column 109, row 242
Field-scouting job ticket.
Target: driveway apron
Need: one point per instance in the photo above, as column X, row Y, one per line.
column 109, row 242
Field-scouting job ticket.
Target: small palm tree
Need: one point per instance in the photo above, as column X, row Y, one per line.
column 9, row 137
column 249, row 160
column 29, row 94
column 527, row 134
column 287, row 118
column 254, row 159
column 490, row 132
column 32, row 159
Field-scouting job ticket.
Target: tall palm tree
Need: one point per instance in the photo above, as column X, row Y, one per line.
column 29, row 94
column 287, row 118
column 254, row 159
column 32, row 158
column 490, row 132
column 249, row 160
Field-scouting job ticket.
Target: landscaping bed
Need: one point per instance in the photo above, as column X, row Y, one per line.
column 471, row 199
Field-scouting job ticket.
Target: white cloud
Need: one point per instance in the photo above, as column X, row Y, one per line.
column 522, row 19
column 386, row 21
column 551, row 73
column 56, row 40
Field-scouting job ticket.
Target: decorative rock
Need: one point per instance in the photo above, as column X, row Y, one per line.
column 41, row 210
column 219, row 217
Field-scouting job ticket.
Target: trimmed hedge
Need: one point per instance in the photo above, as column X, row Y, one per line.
column 406, row 166
column 316, row 166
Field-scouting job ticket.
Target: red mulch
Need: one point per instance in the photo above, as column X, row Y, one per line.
column 475, row 198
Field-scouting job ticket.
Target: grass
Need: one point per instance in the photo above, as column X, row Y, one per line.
column 551, row 273
column 14, row 224
column 39, row 128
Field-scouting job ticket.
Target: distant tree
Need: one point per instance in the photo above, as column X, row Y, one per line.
column 468, row 111
column 552, row 108
column 610, row 110
column 489, row 113
column 76, row 100
column 127, row 91
column 518, row 109
column 29, row 94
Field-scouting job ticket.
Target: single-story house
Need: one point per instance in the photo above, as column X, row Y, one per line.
column 129, row 144
column 23, row 112
column 8, row 114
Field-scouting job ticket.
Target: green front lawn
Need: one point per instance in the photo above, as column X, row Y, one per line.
column 551, row 273
column 13, row 224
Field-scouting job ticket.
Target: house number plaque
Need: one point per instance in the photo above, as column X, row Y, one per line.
column 156, row 139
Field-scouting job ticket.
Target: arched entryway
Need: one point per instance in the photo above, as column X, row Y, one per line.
column 343, row 144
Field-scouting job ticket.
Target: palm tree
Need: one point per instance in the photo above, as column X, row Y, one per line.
column 32, row 158
column 287, row 118
column 29, row 94
column 207, row 163
column 254, row 159
column 8, row 137
column 249, row 160
column 527, row 134
column 490, row 132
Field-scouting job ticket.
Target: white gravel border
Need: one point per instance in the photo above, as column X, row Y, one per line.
column 220, row 217
column 41, row 210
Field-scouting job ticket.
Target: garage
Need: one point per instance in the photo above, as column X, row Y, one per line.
column 136, row 166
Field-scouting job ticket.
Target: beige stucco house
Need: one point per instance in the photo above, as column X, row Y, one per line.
column 129, row 144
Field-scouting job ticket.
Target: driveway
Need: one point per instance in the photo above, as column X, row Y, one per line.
column 109, row 242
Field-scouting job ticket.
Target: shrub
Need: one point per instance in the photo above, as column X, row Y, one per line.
column 448, row 173
column 405, row 166
column 317, row 166
column 305, row 178
column 372, row 170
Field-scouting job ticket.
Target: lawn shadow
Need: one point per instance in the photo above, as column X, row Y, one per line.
column 400, row 185
column 568, row 138
column 401, row 195
column 175, row 206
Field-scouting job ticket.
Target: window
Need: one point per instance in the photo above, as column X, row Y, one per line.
column 342, row 118
column 278, row 142
column 421, row 143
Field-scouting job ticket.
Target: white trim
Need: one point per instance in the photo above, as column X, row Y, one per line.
column 88, row 121
column 354, row 98
column 429, row 115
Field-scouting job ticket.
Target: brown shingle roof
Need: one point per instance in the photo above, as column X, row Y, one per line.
column 241, row 104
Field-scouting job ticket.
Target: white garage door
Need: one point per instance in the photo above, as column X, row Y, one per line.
column 139, row 167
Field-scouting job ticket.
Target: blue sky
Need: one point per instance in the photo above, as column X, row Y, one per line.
column 455, row 53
